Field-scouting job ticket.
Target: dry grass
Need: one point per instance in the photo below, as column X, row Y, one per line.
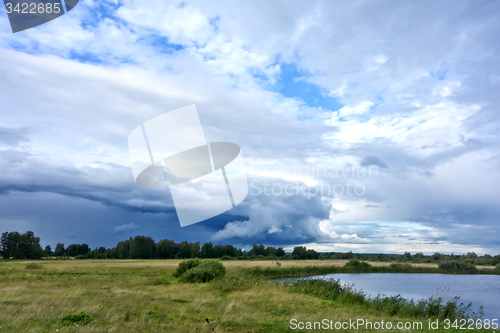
column 303, row 263
column 231, row 263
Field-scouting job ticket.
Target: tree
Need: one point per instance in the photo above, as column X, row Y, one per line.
column 4, row 246
column 437, row 256
column 59, row 251
column 280, row 252
column 419, row 257
column 72, row 250
column 123, row 249
column 142, row 247
column 10, row 244
column 470, row 255
column 300, row 252
column 20, row 246
column 188, row 250
column 406, row 256
column 83, row 249
column 47, row 252
column 258, row 250
column 311, row 254
column 30, row 246
column 166, row 249
column 206, row 250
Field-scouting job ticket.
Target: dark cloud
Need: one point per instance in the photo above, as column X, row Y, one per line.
column 112, row 187
column 372, row 160
column 14, row 136
column 275, row 217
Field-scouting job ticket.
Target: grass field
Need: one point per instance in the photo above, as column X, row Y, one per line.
column 143, row 296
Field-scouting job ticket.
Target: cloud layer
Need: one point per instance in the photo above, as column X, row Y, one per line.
column 315, row 93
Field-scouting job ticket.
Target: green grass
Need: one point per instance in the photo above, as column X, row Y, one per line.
column 144, row 296
column 33, row 265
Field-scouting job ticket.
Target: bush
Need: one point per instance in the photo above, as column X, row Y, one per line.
column 33, row 265
column 81, row 318
column 401, row 268
column 358, row 266
column 204, row 272
column 458, row 267
column 186, row 265
column 226, row 257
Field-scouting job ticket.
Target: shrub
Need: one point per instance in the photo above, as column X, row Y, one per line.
column 226, row 257
column 33, row 265
column 186, row 265
column 358, row 266
column 81, row 318
column 458, row 267
column 204, row 272
column 401, row 268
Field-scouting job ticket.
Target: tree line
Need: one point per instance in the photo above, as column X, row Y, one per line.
column 419, row 257
column 26, row 246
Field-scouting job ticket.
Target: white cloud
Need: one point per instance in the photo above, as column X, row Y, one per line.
column 236, row 229
column 274, row 230
column 446, row 89
column 126, row 228
column 359, row 109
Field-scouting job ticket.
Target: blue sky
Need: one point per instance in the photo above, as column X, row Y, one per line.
column 314, row 92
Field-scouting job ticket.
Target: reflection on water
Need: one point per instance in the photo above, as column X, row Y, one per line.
column 476, row 289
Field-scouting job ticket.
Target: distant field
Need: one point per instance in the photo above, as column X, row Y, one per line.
column 143, row 296
column 288, row 263
column 229, row 263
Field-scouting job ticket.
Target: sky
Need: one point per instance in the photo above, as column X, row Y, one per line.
column 370, row 126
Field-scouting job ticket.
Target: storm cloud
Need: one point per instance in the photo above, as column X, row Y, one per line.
column 364, row 126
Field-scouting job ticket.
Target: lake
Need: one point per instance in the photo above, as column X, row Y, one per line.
column 476, row 289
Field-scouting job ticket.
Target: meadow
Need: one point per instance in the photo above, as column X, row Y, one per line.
column 144, row 296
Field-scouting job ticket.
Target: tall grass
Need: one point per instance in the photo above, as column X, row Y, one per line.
column 434, row 307
column 33, row 265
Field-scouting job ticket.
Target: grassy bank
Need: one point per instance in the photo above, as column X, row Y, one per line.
column 144, row 296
